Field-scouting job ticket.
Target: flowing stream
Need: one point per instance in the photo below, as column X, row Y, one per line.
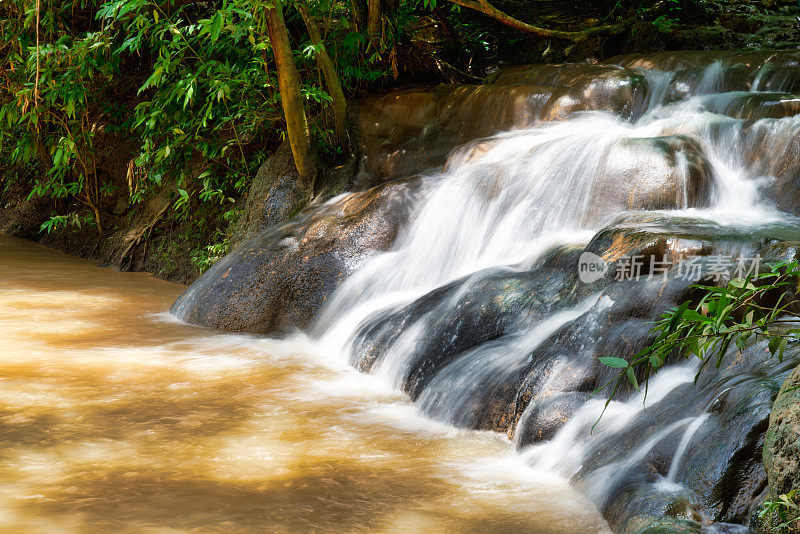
column 116, row 418
column 475, row 310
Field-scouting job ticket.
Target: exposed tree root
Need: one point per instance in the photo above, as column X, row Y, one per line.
column 136, row 237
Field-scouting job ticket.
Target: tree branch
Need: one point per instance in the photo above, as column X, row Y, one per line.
column 489, row 10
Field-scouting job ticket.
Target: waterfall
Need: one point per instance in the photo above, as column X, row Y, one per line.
column 505, row 200
column 691, row 430
column 512, row 268
column 502, row 207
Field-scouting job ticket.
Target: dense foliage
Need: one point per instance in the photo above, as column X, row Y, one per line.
column 191, row 81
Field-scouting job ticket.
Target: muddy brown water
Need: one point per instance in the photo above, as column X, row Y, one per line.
column 114, row 417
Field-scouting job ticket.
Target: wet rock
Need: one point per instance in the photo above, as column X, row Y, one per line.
column 566, row 74
column 645, row 510
column 277, row 281
column 277, row 193
column 537, row 393
column 688, row 59
column 760, row 106
column 393, row 132
column 785, row 80
column 407, row 132
column 590, row 87
column 473, row 112
column 460, row 316
column 782, row 446
column 687, row 82
column 774, row 152
column 650, row 174
column 546, row 414
column 618, row 325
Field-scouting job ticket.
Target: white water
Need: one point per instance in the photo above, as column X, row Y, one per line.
column 566, row 452
column 507, row 201
column 503, row 202
column 691, row 430
column 462, row 381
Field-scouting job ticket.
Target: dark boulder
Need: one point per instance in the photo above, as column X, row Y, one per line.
column 276, row 281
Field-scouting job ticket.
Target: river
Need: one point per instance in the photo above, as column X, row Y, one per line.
column 115, row 417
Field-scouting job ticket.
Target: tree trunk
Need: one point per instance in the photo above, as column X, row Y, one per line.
column 291, row 98
column 374, row 19
column 358, row 9
column 331, row 77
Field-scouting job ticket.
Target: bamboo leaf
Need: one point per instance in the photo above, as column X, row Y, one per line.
column 613, row 361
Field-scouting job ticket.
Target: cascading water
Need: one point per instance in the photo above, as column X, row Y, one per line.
column 478, row 311
column 504, row 202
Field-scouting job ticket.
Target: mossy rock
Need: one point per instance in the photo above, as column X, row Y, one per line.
column 782, row 442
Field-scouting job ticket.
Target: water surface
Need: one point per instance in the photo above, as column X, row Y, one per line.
column 116, row 418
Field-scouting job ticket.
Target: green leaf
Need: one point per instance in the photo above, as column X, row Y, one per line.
column 677, row 315
column 694, row 317
column 774, row 345
column 632, row 378
column 216, row 26
column 655, row 361
column 613, row 361
column 741, row 283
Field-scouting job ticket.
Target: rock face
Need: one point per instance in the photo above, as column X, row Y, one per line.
column 275, row 195
column 654, row 173
column 782, row 443
column 411, row 131
column 276, row 281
